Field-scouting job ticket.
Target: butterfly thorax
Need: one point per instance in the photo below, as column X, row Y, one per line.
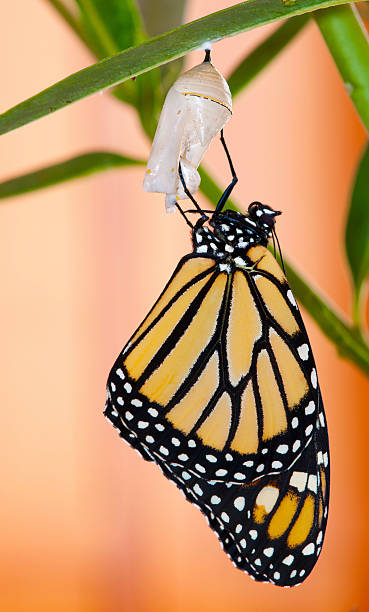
column 231, row 233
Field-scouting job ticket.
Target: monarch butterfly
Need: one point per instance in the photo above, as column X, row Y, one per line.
column 218, row 386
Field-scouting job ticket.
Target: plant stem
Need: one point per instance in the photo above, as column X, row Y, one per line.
column 330, row 321
column 348, row 43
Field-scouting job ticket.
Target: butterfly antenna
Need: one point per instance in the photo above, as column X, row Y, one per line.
column 274, row 233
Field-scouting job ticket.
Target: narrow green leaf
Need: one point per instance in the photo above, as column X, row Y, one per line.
column 331, row 322
column 348, row 43
column 264, row 53
column 153, row 53
column 357, row 232
column 73, row 168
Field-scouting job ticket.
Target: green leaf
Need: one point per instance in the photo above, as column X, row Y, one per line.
column 153, row 53
column 264, row 53
column 357, row 232
column 348, row 43
column 73, row 168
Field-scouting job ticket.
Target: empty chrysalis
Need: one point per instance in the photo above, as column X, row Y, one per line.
column 196, row 108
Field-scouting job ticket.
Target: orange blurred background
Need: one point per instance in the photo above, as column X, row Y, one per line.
column 87, row 525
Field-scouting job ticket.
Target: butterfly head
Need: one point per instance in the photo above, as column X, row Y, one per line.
column 242, row 230
column 263, row 215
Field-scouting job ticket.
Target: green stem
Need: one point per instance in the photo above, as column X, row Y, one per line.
column 330, row 321
column 264, row 53
column 348, row 42
column 71, row 21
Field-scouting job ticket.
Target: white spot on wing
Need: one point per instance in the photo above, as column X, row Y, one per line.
column 314, row 378
column 288, row 560
column 267, row 497
column 310, row 408
column 303, row 351
column 313, row 483
column 282, row 449
column 239, row 503
column 239, row 476
column 298, row 480
column 291, row 298
column 220, row 472
column 198, row 490
column 308, row 550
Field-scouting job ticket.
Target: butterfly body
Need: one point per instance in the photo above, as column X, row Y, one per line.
column 218, row 386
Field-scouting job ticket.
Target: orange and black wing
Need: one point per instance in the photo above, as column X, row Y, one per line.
column 220, row 378
column 218, row 386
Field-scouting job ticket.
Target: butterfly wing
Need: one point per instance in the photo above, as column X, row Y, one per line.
column 273, row 528
column 218, row 386
column 220, row 377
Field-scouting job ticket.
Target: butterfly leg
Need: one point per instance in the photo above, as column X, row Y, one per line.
column 224, row 197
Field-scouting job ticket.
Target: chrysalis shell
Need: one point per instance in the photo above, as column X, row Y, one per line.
column 196, row 108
